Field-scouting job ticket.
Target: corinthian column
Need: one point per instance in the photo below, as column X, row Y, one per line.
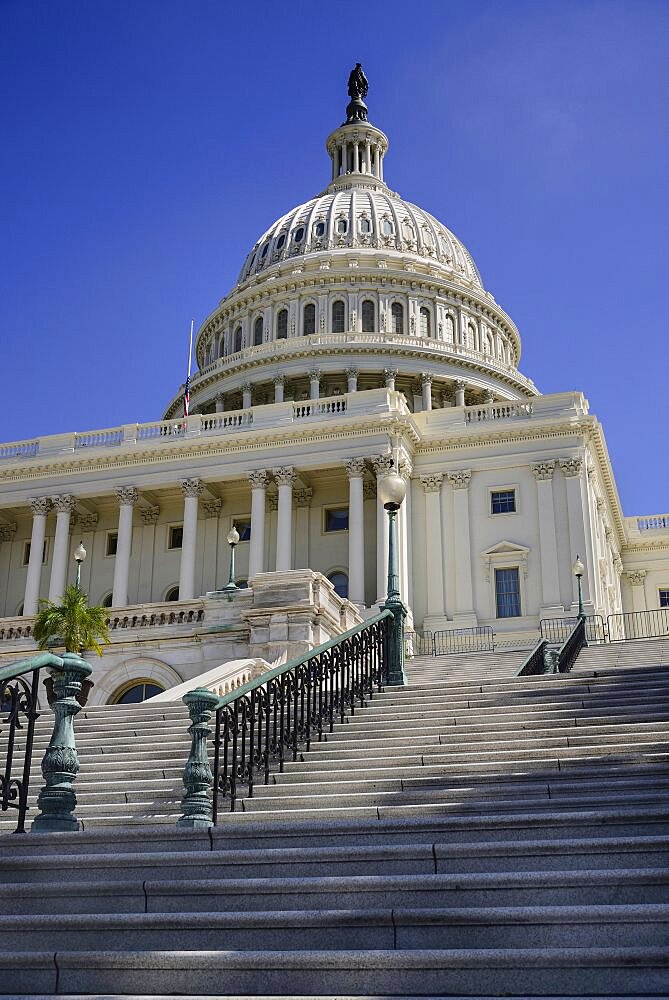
column 355, row 469
column 285, row 478
column 572, row 469
column 191, row 489
column 40, row 508
column 127, row 497
column 464, row 597
column 434, row 552
column 258, row 480
column 550, row 571
column 64, row 505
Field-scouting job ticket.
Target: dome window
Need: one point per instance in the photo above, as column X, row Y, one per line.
column 257, row 332
column 427, row 238
column 264, row 251
column 409, row 231
column 425, row 325
column 281, row 240
column 387, row 227
column 238, row 340
column 397, row 317
column 309, row 319
column 282, row 325
column 299, row 234
column 338, row 316
column 319, row 229
column 368, row 316
column 365, row 226
column 342, row 226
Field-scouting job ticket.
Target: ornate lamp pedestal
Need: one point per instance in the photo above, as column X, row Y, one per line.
column 392, row 490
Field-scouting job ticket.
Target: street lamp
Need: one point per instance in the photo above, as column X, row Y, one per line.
column 79, row 556
column 392, row 490
column 578, row 569
column 231, row 586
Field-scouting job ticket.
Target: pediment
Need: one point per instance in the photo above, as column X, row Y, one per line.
column 506, row 548
column 503, row 554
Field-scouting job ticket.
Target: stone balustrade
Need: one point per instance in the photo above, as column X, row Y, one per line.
column 497, row 411
column 653, row 522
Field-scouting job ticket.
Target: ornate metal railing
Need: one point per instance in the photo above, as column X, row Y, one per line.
column 278, row 715
column 639, row 625
column 558, row 630
column 478, row 639
column 67, row 688
column 535, row 661
column 418, row 644
column 567, row 653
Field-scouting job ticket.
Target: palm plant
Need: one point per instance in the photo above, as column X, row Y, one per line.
column 73, row 624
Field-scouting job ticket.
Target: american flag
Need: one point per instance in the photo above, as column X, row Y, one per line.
column 186, row 396
column 190, row 358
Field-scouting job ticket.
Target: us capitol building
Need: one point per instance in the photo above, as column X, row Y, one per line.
column 359, row 333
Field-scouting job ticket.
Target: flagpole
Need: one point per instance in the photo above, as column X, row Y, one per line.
column 190, row 362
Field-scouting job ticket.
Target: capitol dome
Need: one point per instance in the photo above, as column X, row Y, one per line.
column 356, row 289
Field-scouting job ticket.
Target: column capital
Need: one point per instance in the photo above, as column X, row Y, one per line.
column 460, row 383
column 571, row 466
column 405, row 470
column 40, row 505
column 258, row 479
column 426, row 378
column 63, row 504
column 432, row 484
column 351, row 372
column 127, row 496
column 389, row 374
column 191, row 487
column 636, row 577
column 279, row 379
column 149, row 515
column 247, row 386
column 303, row 498
column 7, row 532
column 314, row 373
column 543, row 471
column 285, row 475
column 460, row 480
column 382, row 464
column 355, row 468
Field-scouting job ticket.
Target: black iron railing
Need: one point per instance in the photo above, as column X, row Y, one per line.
column 278, row 715
column 480, row 638
column 639, row 625
column 535, row 661
column 558, row 630
column 418, row 644
column 567, row 653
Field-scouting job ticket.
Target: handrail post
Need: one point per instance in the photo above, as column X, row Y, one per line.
column 60, row 765
column 196, row 806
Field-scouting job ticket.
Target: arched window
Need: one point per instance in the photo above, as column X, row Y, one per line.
column 309, row 319
column 319, row 229
column 339, row 581
column 424, row 325
column 449, row 328
column 299, row 234
column 221, row 345
column 387, row 227
column 368, row 316
column 397, row 317
column 472, row 339
column 172, row 594
column 282, row 325
column 106, row 601
column 136, row 691
column 257, row 332
column 338, row 316
column 238, row 339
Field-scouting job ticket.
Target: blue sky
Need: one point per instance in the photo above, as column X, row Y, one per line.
column 147, row 144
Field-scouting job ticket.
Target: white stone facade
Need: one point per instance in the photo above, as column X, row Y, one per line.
column 359, row 331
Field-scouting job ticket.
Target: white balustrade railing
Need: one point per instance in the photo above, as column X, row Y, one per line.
column 22, row 449
column 497, row 411
column 162, row 429
column 225, row 421
column 99, row 439
column 320, row 407
column 654, row 522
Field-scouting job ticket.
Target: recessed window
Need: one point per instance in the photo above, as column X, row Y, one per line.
column 408, row 231
column 309, row 319
column 281, row 240
column 264, row 250
column 339, row 581
column 26, row 552
column 342, row 226
column 172, row 594
column 175, row 538
column 424, row 324
column 503, row 502
column 243, row 526
column 365, row 226
column 507, row 592
column 299, row 234
column 338, row 316
column 368, row 316
column 282, row 325
column 336, row 519
column 257, row 332
column 387, row 227
column 135, row 692
column 663, row 596
column 238, row 340
column 319, row 229
column 112, row 543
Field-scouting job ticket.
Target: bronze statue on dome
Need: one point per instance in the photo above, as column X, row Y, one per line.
column 358, row 86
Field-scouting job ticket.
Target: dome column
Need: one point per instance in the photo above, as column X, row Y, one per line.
column 314, row 383
column 390, row 374
column 246, row 396
column 285, row 478
column 40, row 508
column 278, row 388
column 219, row 402
column 426, row 381
column 459, row 393
column 352, row 379
column 258, row 481
column 355, row 470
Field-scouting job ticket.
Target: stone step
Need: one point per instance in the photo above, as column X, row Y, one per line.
column 521, row 972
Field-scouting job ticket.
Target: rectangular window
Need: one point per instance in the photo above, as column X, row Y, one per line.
column 335, row 519
column 664, row 597
column 243, row 526
column 503, row 502
column 26, row 552
column 175, row 537
column 507, row 593
column 112, row 543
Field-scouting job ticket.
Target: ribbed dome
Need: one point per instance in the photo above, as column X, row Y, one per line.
column 361, row 215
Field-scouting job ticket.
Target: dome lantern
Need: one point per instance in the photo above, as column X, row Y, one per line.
column 357, row 147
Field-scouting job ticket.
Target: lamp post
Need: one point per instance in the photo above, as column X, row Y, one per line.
column 392, row 490
column 578, row 569
column 231, row 586
column 79, row 556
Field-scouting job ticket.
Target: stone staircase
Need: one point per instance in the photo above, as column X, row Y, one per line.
column 454, row 667
column 481, row 838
